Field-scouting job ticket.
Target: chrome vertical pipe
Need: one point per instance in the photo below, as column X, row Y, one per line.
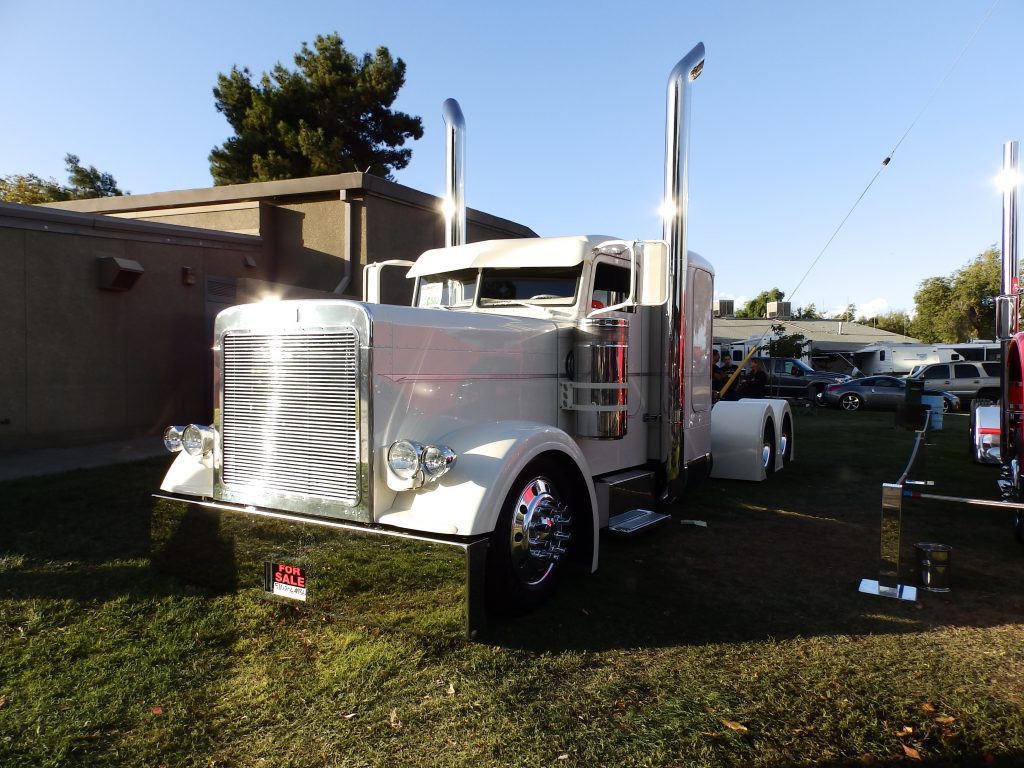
column 674, row 225
column 454, row 187
column 1008, row 305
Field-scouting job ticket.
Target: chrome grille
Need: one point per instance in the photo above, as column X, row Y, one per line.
column 290, row 415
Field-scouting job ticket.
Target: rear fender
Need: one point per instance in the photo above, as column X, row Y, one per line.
column 785, row 439
column 738, row 429
column 467, row 500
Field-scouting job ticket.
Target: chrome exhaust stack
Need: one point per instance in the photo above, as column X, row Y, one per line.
column 1008, row 303
column 454, row 204
column 674, row 224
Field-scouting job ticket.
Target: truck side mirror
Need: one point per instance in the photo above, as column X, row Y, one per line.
column 652, row 287
column 1005, row 311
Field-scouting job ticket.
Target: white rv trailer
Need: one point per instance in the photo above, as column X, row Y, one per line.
column 900, row 358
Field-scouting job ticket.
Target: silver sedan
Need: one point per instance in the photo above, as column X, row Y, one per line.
column 886, row 392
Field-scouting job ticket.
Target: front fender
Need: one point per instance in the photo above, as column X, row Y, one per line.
column 189, row 476
column 468, row 499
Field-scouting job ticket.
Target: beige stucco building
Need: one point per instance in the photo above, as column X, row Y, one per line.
column 107, row 305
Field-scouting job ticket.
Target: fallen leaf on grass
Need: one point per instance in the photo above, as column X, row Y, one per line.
column 912, row 753
column 563, row 756
column 904, row 732
column 349, row 716
column 157, row 710
column 3, row 702
column 945, row 720
column 929, row 708
column 451, row 689
column 393, row 720
column 732, row 725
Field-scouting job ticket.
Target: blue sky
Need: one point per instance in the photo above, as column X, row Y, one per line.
column 798, row 105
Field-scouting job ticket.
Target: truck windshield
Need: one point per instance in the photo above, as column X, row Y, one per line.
column 453, row 289
column 505, row 287
column 551, row 286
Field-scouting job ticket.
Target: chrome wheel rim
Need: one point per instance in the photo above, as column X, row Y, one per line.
column 784, row 444
column 850, row 402
column 766, row 454
column 541, row 530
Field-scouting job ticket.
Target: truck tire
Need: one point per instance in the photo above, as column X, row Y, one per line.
column 786, row 440
column 531, row 541
column 768, row 447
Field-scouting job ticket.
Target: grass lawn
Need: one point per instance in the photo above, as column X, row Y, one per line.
column 745, row 643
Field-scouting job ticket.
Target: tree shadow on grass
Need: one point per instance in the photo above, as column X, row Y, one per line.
column 779, row 560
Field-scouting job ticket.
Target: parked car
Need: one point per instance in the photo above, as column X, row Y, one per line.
column 966, row 380
column 879, row 392
column 789, row 377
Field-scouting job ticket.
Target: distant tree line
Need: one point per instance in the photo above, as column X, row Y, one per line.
column 332, row 114
column 946, row 309
column 82, row 183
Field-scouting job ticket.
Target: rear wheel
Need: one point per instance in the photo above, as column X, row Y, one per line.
column 532, row 539
column 768, row 448
column 786, row 441
column 850, row 402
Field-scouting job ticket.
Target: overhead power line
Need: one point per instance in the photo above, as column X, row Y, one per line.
column 888, row 157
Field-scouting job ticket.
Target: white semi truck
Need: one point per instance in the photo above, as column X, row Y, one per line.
column 530, row 381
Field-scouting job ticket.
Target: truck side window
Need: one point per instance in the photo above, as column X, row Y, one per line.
column 937, row 372
column 611, row 286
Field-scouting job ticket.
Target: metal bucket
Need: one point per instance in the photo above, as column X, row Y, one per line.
column 599, row 355
column 933, row 565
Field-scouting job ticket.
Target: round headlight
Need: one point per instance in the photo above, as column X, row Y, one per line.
column 197, row 441
column 172, row 438
column 404, row 459
column 436, row 460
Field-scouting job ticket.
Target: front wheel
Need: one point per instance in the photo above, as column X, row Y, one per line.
column 850, row 402
column 532, row 539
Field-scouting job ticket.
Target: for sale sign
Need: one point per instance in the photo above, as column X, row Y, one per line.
column 285, row 580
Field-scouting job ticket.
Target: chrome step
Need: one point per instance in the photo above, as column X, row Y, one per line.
column 635, row 520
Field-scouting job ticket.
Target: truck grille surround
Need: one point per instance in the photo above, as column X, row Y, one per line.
column 290, row 416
